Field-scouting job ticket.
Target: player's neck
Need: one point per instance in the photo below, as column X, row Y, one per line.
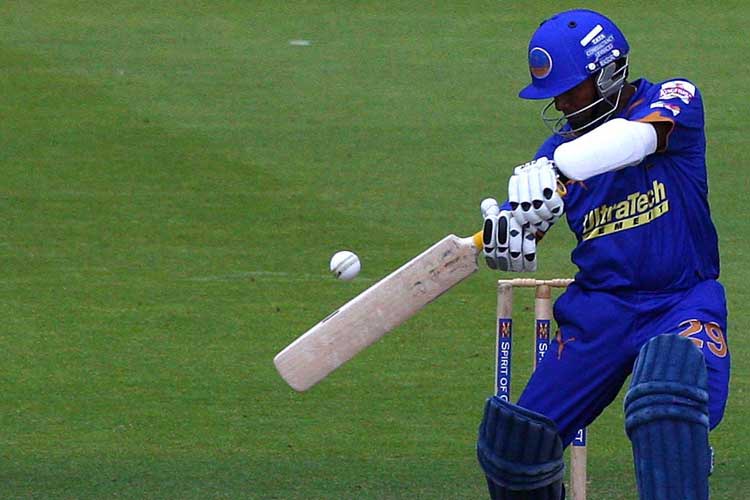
column 627, row 92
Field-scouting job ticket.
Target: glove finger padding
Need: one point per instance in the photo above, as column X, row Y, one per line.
column 514, row 197
column 529, row 251
column 533, row 196
column 553, row 202
column 539, row 195
column 520, row 195
column 515, row 245
column 495, row 235
column 496, row 231
column 556, row 207
column 489, row 239
column 507, row 246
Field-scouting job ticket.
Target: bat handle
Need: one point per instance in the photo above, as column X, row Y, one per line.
column 478, row 240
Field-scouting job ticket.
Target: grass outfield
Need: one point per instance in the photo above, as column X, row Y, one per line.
column 174, row 181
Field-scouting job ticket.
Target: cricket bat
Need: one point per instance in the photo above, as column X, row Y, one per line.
column 377, row 310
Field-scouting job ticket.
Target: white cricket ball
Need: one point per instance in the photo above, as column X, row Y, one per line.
column 345, row 265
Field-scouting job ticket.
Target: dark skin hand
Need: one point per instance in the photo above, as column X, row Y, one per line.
column 585, row 93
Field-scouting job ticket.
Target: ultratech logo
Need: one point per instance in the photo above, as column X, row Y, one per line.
column 637, row 209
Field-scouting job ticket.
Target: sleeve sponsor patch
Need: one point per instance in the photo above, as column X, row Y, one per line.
column 675, row 109
column 677, row 89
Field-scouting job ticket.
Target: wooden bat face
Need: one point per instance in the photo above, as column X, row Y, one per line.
column 376, row 311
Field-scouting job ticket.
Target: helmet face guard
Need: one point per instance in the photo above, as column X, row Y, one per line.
column 609, row 85
column 569, row 48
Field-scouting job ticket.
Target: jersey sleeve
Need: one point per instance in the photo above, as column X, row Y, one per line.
column 548, row 147
column 679, row 103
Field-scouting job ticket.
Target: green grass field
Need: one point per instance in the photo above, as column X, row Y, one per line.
column 175, row 177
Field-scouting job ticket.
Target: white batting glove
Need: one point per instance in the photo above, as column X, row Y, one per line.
column 507, row 245
column 533, row 196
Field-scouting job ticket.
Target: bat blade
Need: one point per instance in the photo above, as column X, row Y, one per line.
column 377, row 310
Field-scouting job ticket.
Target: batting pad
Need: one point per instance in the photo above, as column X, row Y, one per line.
column 520, row 452
column 666, row 419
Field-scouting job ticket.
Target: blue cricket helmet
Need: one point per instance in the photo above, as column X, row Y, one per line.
column 568, row 48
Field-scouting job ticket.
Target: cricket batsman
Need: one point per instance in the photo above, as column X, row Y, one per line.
column 626, row 165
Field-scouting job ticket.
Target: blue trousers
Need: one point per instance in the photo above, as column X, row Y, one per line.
column 599, row 337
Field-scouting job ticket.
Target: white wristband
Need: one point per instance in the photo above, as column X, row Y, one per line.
column 611, row 146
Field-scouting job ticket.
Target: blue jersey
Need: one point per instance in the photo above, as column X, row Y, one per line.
column 648, row 226
column 648, row 261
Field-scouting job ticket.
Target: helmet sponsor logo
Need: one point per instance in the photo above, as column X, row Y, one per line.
column 677, row 89
column 671, row 107
column 603, row 47
column 591, row 34
column 540, row 63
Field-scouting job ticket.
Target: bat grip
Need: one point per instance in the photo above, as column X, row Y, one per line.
column 478, row 240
